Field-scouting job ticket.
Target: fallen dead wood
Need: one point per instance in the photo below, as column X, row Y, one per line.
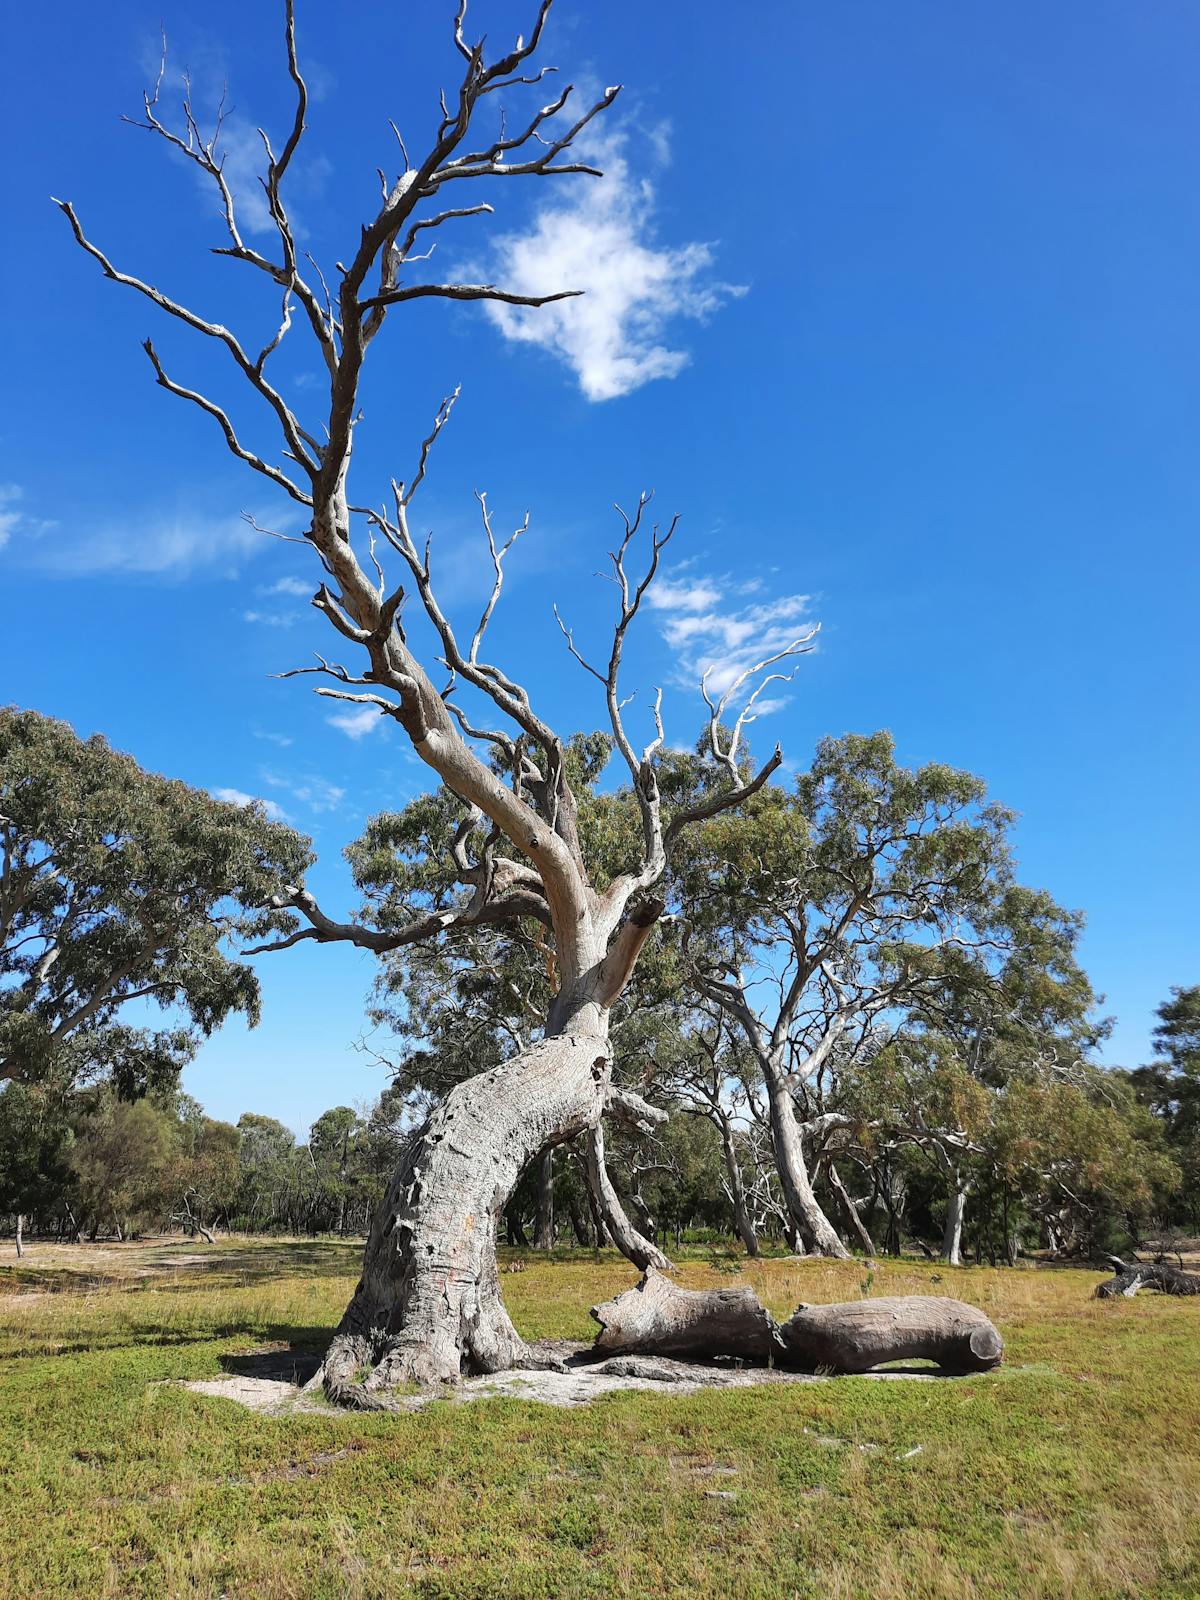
column 656, row 1318
column 1147, row 1275
column 861, row 1334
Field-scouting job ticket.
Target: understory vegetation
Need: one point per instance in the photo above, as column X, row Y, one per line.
column 1073, row 1471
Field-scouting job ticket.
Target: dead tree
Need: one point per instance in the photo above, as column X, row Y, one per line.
column 1127, row 1280
column 428, row 1306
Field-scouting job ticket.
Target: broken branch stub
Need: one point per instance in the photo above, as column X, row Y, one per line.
column 656, row 1318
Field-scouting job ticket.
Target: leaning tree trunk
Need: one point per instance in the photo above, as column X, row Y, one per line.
column 428, row 1307
column 850, row 1209
column 543, row 1232
column 814, row 1227
column 632, row 1244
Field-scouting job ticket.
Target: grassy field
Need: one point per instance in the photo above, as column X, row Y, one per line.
column 1074, row 1471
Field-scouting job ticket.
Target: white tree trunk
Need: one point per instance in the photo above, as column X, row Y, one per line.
column 956, row 1205
column 814, row 1227
column 742, row 1219
column 632, row 1244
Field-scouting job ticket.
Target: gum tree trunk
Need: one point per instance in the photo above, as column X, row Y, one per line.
column 742, row 1220
column 632, row 1244
column 543, row 1235
column 852, row 1213
column 428, row 1309
column 814, row 1227
column 956, row 1205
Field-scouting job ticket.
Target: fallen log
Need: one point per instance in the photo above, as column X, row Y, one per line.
column 861, row 1334
column 1147, row 1275
column 657, row 1318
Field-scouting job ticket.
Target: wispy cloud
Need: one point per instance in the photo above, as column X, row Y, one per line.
column 356, row 724
column 270, row 619
column 163, row 545
column 722, row 640
column 239, row 797
column 13, row 517
column 602, row 240
column 309, row 789
column 283, row 740
column 297, row 586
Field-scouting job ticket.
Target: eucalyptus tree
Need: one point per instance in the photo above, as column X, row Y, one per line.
column 821, row 917
column 428, row 1305
column 117, row 885
column 1013, row 1005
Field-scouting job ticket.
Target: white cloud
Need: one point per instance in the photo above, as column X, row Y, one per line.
column 12, row 517
column 356, row 724
column 270, row 619
column 723, row 640
column 172, row 545
column 296, row 586
column 281, row 739
column 310, row 790
column 239, row 797
column 601, row 240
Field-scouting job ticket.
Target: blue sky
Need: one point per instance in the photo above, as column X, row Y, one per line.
column 896, row 304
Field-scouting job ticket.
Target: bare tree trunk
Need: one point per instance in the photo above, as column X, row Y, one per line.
column 632, row 1244
column 428, row 1307
column 813, row 1225
column 579, row 1226
column 742, row 1220
column 852, row 1214
column 543, row 1236
column 956, row 1205
column 20, row 1233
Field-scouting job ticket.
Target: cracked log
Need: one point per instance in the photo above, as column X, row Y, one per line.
column 656, row 1318
column 861, row 1334
column 1148, row 1275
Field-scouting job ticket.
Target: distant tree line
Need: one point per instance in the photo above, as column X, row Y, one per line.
column 856, row 1029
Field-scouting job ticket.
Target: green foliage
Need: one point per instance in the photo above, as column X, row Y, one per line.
column 119, row 885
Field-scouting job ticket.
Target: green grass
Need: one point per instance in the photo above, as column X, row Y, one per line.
column 1074, row 1471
